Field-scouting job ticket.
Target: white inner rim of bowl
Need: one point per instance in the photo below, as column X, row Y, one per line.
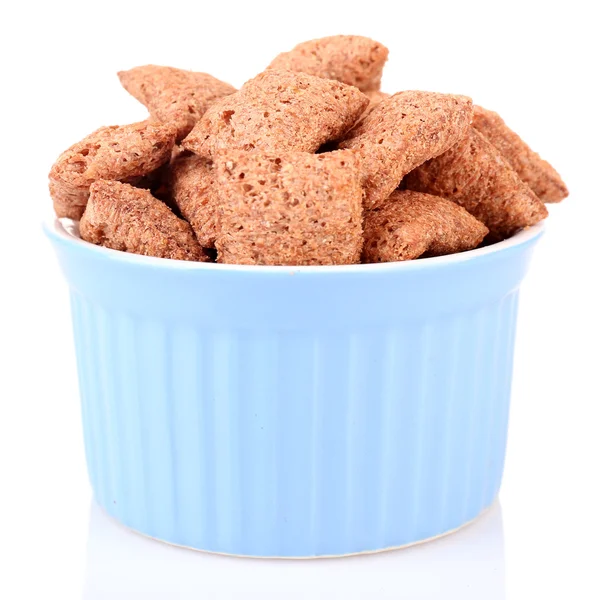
column 68, row 229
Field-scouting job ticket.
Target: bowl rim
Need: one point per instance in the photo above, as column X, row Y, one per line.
column 65, row 231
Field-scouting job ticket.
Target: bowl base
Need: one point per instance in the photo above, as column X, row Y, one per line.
column 347, row 555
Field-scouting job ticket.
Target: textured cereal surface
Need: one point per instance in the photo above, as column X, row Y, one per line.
column 173, row 95
column 475, row 175
column 375, row 98
column 402, row 132
column 116, row 153
column 542, row 178
column 278, row 111
column 130, row 219
column 412, row 224
column 158, row 182
column 351, row 59
column 192, row 185
column 289, row 208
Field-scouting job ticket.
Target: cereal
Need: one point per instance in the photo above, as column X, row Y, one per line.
column 289, row 208
column 412, row 224
column 351, row 59
column 126, row 218
column 192, row 189
column 309, row 163
column 542, row 178
column 159, row 181
column 375, row 98
column 401, row 133
column 117, row 152
column 278, row 111
column 173, row 95
column 474, row 174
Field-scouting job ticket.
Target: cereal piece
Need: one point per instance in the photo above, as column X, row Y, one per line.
column 474, row 174
column 375, row 98
column 126, row 218
column 278, row 111
column 173, row 95
column 192, row 189
column 542, row 178
column 118, row 152
column 159, row 181
column 289, row 208
column 401, row 133
column 413, row 224
column 155, row 181
column 351, row 59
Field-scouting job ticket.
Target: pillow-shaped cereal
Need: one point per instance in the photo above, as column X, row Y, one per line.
column 351, row 59
column 542, row 178
column 117, row 153
column 192, row 189
column 402, row 132
column 158, row 181
column 278, row 111
column 412, row 224
column 375, row 98
column 130, row 219
column 289, row 208
column 475, row 175
column 173, row 95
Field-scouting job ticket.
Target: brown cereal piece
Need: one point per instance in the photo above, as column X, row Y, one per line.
column 173, row 95
column 159, row 181
column 542, row 178
column 474, row 174
column 130, row 219
column 401, row 133
column 192, row 184
column 375, row 98
column 351, row 59
column 289, row 208
column 155, row 182
column 117, row 152
column 278, row 111
column 412, row 224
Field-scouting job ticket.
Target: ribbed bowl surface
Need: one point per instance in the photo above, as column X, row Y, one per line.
column 294, row 412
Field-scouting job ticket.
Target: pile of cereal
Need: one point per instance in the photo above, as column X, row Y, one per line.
column 308, row 163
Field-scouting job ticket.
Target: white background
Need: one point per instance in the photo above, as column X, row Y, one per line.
column 532, row 62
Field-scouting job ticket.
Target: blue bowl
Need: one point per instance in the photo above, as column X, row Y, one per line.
column 294, row 411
